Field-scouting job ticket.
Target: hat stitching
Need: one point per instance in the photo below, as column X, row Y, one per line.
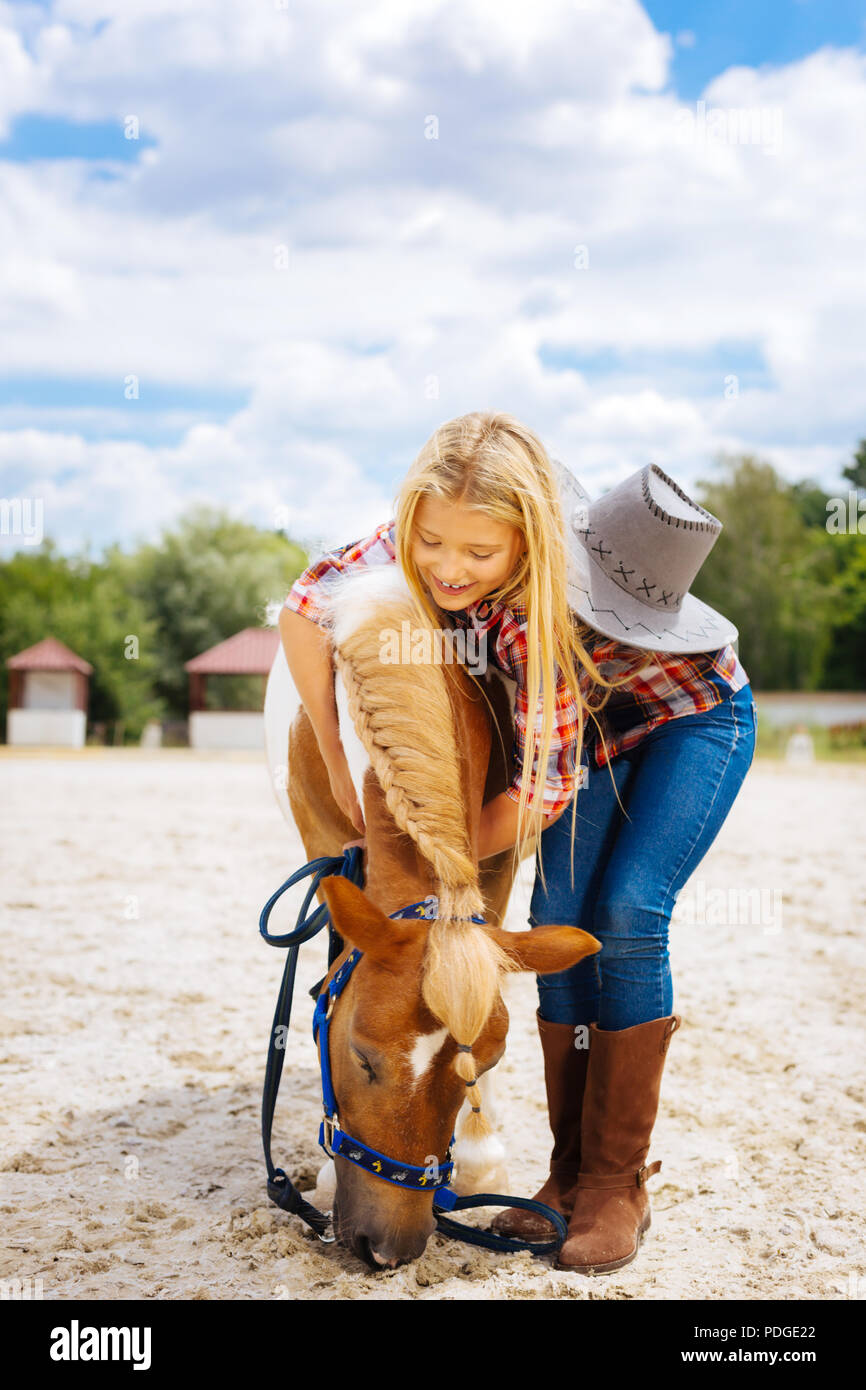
column 701, row 632
column 645, row 584
column 602, row 552
column 711, row 525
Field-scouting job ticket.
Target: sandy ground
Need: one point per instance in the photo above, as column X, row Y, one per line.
column 138, row 998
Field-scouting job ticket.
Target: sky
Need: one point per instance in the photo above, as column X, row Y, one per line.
column 253, row 252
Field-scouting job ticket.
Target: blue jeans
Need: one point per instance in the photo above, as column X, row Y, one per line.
column 677, row 787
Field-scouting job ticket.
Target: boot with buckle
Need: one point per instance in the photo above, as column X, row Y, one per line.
column 611, row 1210
column 565, row 1068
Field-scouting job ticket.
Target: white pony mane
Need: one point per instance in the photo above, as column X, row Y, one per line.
column 353, row 597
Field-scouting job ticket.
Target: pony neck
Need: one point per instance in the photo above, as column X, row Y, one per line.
column 395, row 873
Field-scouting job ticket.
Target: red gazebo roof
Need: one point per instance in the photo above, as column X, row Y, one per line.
column 49, row 655
column 249, row 653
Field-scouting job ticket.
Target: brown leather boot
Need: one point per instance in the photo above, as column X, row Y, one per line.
column 611, row 1205
column 565, row 1069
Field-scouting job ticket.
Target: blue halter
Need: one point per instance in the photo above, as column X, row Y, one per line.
column 332, row 1138
column 437, row 1177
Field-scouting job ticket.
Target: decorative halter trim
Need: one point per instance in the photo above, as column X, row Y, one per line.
column 429, row 909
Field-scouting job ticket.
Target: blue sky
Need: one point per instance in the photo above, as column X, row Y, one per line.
column 34, row 136
column 255, row 256
column 749, row 33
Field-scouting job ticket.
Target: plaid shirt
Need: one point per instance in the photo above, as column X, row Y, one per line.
column 665, row 687
column 662, row 686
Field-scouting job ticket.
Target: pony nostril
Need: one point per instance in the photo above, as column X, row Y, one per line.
column 365, row 1250
column 382, row 1259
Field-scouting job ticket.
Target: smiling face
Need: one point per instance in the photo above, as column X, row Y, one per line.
column 456, row 545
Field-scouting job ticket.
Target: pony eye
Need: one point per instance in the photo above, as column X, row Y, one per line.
column 364, row 1062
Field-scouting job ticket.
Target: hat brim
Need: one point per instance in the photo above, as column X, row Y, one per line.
column 598, row 601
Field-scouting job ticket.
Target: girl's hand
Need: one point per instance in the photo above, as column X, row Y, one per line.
column 343, row 788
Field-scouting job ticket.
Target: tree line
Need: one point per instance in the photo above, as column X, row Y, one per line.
column 789, row 568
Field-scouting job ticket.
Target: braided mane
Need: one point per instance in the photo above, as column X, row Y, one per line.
column 403, row 716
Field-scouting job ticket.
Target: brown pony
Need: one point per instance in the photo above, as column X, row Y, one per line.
column 428, row 746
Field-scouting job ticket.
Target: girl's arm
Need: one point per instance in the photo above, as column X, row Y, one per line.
column 498, row 830
column 308, row 654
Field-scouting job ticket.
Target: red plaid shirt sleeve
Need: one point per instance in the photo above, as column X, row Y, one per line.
column 560, row 775
column 310, row 590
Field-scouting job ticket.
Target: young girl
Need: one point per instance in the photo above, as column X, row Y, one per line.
column 477, row 531
column 488, row 538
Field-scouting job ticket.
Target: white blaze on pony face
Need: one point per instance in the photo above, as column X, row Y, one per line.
column 424, row 1049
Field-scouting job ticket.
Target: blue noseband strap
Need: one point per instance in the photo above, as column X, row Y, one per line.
column 334, row 1140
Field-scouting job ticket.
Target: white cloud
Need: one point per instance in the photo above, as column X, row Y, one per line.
column 418, row 265
column 123, row 490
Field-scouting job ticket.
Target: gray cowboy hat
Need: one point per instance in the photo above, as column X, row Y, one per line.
column 632, row 555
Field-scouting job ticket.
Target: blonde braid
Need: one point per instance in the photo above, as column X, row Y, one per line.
column 440, row 837
column 406, row 724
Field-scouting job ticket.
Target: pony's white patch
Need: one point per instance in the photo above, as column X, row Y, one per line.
column 354, row 596
column 326, row 1187
column 480, row 1153
column 479, row 1165
column 424, row 1050
column 351, row 601
column 282, row 702
column 356, row 754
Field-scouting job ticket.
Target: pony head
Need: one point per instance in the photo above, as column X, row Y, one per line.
column 421, row 1018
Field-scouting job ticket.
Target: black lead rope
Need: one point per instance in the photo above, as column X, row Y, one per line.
column 281, row 1189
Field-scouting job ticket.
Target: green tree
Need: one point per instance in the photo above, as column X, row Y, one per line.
column 770, row 573
column 811, row 502
column 137, row 617
column 45, row 594
column 206, row 579
column 856, row 470
column 845, row 666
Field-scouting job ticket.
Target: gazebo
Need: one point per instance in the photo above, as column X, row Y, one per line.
column 48, row 690
column 249, row 653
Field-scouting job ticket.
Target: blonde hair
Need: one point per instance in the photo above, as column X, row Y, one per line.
column 493, row 464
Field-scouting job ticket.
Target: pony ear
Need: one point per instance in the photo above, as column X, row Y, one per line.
column 362, row 924
column 546, row 950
